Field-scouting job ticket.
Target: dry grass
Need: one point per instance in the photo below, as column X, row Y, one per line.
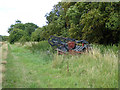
column 1, row 43
column 1, row 78
column 2, row 68
column 32, row 70
column 108, row 56
column 0, row 53
column 4, row 51
column 92, row 68
column 4, row 62
column 25, row 44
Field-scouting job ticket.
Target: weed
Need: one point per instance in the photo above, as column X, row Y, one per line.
column 96, row 69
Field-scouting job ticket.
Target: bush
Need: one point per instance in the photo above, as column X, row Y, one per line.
column 24, row 39
column 40, row 46
column 15, row 35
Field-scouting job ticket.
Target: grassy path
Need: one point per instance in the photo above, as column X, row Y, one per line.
column 28, row 70
column 25, row 69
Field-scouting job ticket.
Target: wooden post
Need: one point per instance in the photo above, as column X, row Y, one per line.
column 67, row 67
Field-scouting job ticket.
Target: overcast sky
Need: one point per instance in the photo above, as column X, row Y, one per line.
column 24, row 10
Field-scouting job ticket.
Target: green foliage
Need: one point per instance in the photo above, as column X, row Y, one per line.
column 75, row 31
column 18, row 21
column 39, row 34
column 113, row 21
column 4, row 38
column 23, row 31
column 96, row 22
column 40, row 46
column 24, row 39
column 11, row 28
column 17, row 25
column 73, row 14
column 0, row 38
column 15, row 35
column 92, row 21
column 29, row 28
column 35, row 35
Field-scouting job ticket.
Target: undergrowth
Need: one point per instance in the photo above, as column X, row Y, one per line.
column 94, row 69
column 41, row 67
column 40, row 47
column 98, row 68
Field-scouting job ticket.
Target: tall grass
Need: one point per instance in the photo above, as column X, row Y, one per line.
column 40, row 47
column 94, row 69
column 43, row 69
column 104, row 49
column 98, row 68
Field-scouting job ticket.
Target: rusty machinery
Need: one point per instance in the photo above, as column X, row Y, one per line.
column 68, row 45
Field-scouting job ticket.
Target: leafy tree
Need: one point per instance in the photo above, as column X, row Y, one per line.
column 18, row 26
column 40, row 34
column 96, row 22
column 29, row 28
column 11, row 28
column 113, row 22
column 15, row 35
column 18, row 21
column 36, row 35
column 23, row 31
column 3, row 38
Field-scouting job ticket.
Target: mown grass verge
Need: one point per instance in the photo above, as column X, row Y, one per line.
column 35, row 67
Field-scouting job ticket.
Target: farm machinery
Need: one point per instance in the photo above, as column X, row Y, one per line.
column 68, row 45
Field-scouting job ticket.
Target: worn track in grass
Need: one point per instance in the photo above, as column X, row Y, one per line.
column 3, row 62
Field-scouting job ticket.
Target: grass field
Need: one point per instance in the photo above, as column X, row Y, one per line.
column 36, row 68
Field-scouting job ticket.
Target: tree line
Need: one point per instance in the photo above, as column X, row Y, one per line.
column 21, row 32
column 3, row 38
column 96, row 22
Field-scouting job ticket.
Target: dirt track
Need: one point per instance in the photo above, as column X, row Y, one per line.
column 3, row 62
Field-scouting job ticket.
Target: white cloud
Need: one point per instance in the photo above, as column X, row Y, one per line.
column 24, row 10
